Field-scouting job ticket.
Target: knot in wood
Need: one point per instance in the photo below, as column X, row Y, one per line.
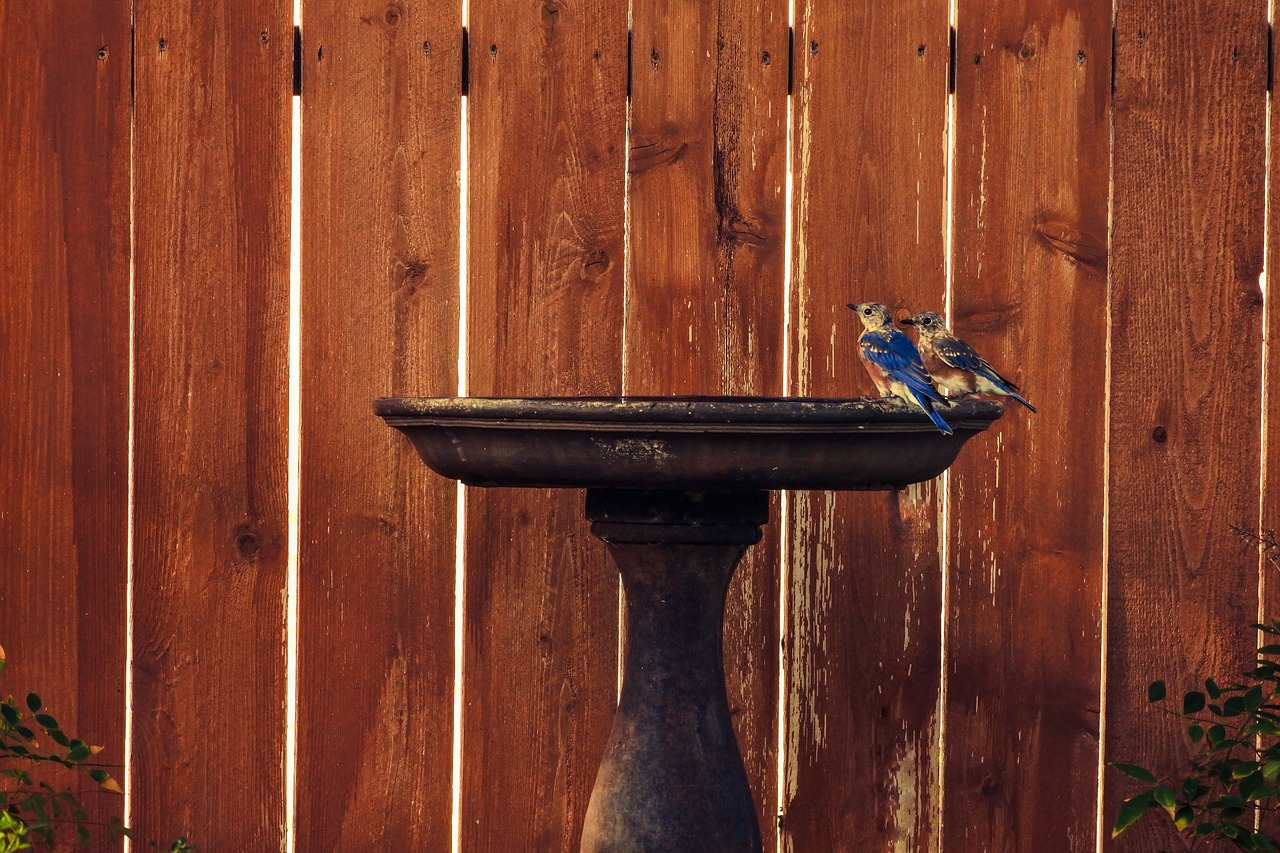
column 246, row 541
column 595, row 264
column 1071, row 241
column 739, row 229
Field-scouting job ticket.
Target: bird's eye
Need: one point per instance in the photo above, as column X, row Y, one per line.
column 866, row 311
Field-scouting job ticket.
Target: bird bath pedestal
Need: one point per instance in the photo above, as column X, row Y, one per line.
column 678, row 489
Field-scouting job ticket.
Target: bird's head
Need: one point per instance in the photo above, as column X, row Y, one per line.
column 873, row 315
column 927, row 323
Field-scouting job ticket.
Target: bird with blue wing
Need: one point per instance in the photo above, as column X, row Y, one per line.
column 954, row 364
column 894, row 364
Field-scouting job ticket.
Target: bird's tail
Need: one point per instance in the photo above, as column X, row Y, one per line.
column 1004, row 386
column 1015, row 395
column 927, row 404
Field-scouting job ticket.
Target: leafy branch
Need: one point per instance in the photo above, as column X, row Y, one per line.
column 1233, row 774
column 30, row 811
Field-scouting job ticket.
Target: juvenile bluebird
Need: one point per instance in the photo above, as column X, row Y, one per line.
column 894, row 363
column 955, row 365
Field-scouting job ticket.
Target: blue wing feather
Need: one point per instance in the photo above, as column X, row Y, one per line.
column 895, row 354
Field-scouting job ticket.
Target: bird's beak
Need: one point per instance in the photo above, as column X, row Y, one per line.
column 852, row 306
column 907, row 321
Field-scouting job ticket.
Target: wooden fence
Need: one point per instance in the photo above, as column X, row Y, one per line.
column 937, row 670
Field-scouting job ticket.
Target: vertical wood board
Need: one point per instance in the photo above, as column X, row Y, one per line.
column 381, row 114
column 211, row 161
column 546, row 120
column 863, row 622
column 1026, row 548
column 705, row 289
column 64, row 367
column 1185, row 354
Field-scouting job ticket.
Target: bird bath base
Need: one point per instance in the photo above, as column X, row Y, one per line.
column 672, row 778
column 677, row 488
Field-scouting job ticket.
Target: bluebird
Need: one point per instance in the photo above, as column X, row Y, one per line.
column 894, row 363
column 955, row 365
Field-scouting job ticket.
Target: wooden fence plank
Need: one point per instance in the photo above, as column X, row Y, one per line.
column 547, row 113
column 1185, row 354
column 381, row 143
column 1030, row 261
column 211, row 320
column 64, row 368
column 1269, row 593
column 705, row 292
column 869, row 156
column 1269, row 479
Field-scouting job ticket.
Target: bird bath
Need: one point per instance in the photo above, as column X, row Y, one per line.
column 677, row 488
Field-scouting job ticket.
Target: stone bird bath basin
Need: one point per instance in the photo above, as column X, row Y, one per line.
column 677, row 487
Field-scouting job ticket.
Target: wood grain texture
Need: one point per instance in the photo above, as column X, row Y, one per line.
column 1030, row 294
column 546, row 118
column 64, row 368
column 706, row 288
column 211, row 161
column 1269, row 577
column 1188, row 203
column 381, row 147
column 1269, row 479
column 865, row 593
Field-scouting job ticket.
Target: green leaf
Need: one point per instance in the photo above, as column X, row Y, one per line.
column 33, row 702
column 1155, row 691
column 47, row 721
column 1163, row 795
column 1139, row 773
column 1195, row 731
column 1271, row 649
column 1212, row 688
column 1183, row 817
column 59, row 738
column 1251, row 785
column 1193, row 702
column 1233, row 707
column 1253, row 697
column 99, row 776
column 80, row 752
column 1243, row 769
column 10, row 714
column 1216, row 735
column 1130, row 811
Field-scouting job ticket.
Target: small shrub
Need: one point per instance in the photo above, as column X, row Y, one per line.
column 1233, row 775
column 33, row 812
